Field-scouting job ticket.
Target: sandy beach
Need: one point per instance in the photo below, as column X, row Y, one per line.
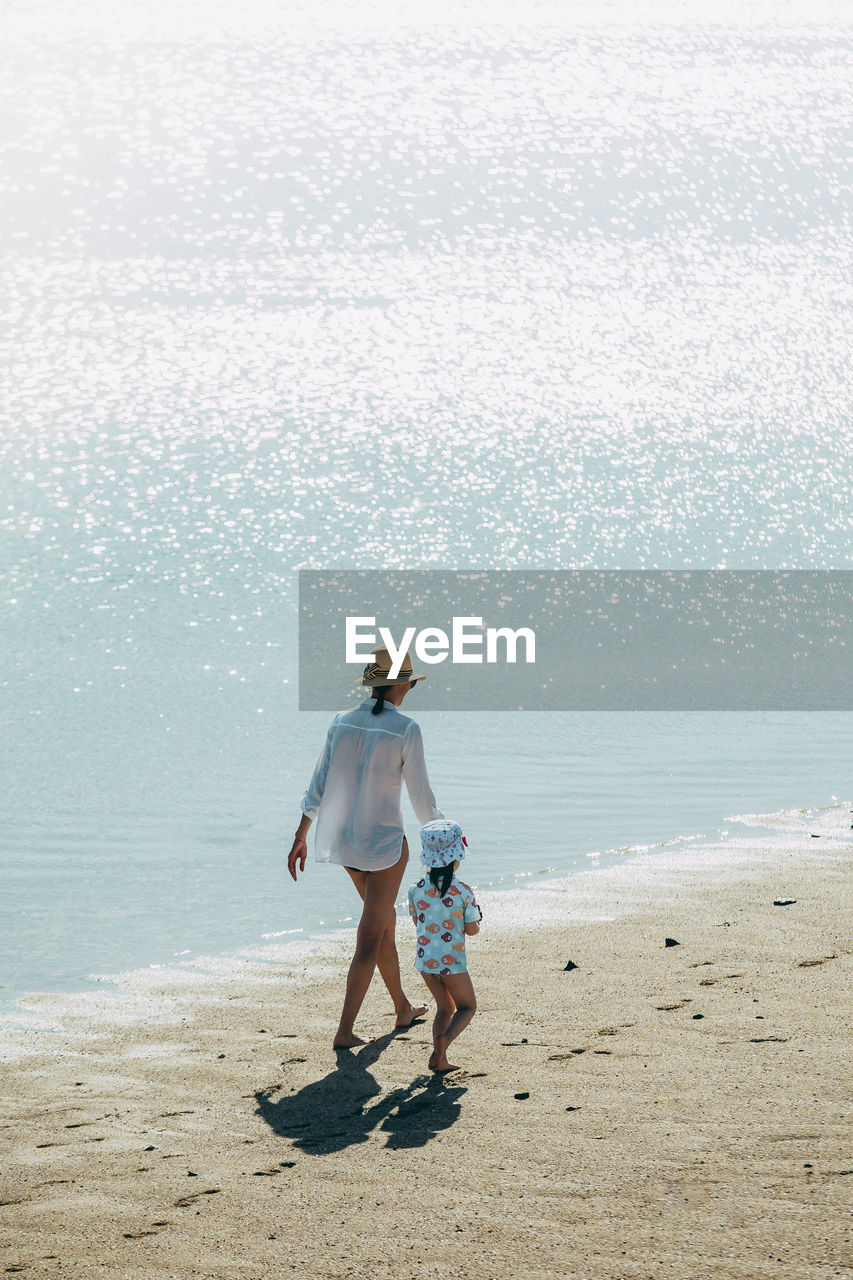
column 656, row 1111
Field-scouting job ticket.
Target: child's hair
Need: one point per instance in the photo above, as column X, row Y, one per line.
column 443, row 874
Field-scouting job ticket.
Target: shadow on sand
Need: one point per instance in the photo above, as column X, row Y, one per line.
column 336, row 1112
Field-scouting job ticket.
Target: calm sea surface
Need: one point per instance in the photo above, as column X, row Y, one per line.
column 508, row 294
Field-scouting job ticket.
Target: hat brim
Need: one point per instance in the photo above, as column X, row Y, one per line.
column 387, row 684
column 436, row 858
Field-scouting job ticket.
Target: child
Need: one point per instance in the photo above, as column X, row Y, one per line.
column 444, row 910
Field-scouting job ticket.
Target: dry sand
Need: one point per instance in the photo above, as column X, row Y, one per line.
column 657, row 1111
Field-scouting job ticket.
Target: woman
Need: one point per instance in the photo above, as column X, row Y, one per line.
column 355, row 797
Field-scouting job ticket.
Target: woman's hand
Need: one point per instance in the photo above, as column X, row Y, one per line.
column 299, row 848
column 298, row 854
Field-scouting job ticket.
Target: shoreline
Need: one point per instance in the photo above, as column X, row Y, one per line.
column 656, row 1111
column 22, row 1015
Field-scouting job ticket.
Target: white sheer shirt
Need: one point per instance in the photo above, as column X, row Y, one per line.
column 355, row 791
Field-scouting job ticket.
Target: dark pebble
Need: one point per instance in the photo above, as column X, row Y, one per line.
column 807, row 1166
column 150, row 1148
column 220, row 1055
column 815, row 837
column 521, row 1096
column 573, row 1108
column 671, row 942
column 190, row 1174
column 524, row 1041
column 698, row 1015
column 571, row 965
column 784, row 902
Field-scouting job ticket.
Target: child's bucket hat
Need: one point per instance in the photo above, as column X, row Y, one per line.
column 442, row 842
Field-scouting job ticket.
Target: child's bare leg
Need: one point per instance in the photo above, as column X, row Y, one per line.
column 445, row 1008
column 461, row 991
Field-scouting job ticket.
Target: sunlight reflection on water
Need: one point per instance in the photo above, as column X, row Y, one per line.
column 502, row 293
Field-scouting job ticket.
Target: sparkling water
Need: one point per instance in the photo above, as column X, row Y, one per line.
column 404, row 287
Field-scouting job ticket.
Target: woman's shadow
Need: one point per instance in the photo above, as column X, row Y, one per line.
column 335, row 1113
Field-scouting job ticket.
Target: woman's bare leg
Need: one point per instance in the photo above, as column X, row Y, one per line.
column 458, row 992
column 380, row 892
column 388, row 961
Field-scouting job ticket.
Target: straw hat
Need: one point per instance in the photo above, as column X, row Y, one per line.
column 376, row 673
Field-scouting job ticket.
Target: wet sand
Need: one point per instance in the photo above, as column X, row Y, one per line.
column 656, row 1111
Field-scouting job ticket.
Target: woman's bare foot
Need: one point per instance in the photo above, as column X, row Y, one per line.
column 408, row 1015
column 347, row 1042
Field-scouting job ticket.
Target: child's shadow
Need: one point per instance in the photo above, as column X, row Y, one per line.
column 421, row 1116
column 333, row 1113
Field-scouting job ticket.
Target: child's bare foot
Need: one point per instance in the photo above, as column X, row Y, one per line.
column 438, row 1058
column 408, row 1015
column 347, row 1042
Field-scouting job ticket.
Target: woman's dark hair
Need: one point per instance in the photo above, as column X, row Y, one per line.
column 441, row 877
column 378, row 696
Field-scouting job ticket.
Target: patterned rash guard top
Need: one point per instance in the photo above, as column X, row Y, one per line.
column 440, row 923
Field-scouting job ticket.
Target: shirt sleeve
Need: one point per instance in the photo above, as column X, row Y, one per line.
column 415, row 775
column 471, row 913
column 317, row 785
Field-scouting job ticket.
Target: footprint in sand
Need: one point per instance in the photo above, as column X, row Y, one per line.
column 270, row 1173
column 185, row 1201
column 565, row 1057
column 666, row 1008
column 138, row 1235
column 809, row 964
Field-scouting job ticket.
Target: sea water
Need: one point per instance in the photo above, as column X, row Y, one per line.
column 399, row 287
